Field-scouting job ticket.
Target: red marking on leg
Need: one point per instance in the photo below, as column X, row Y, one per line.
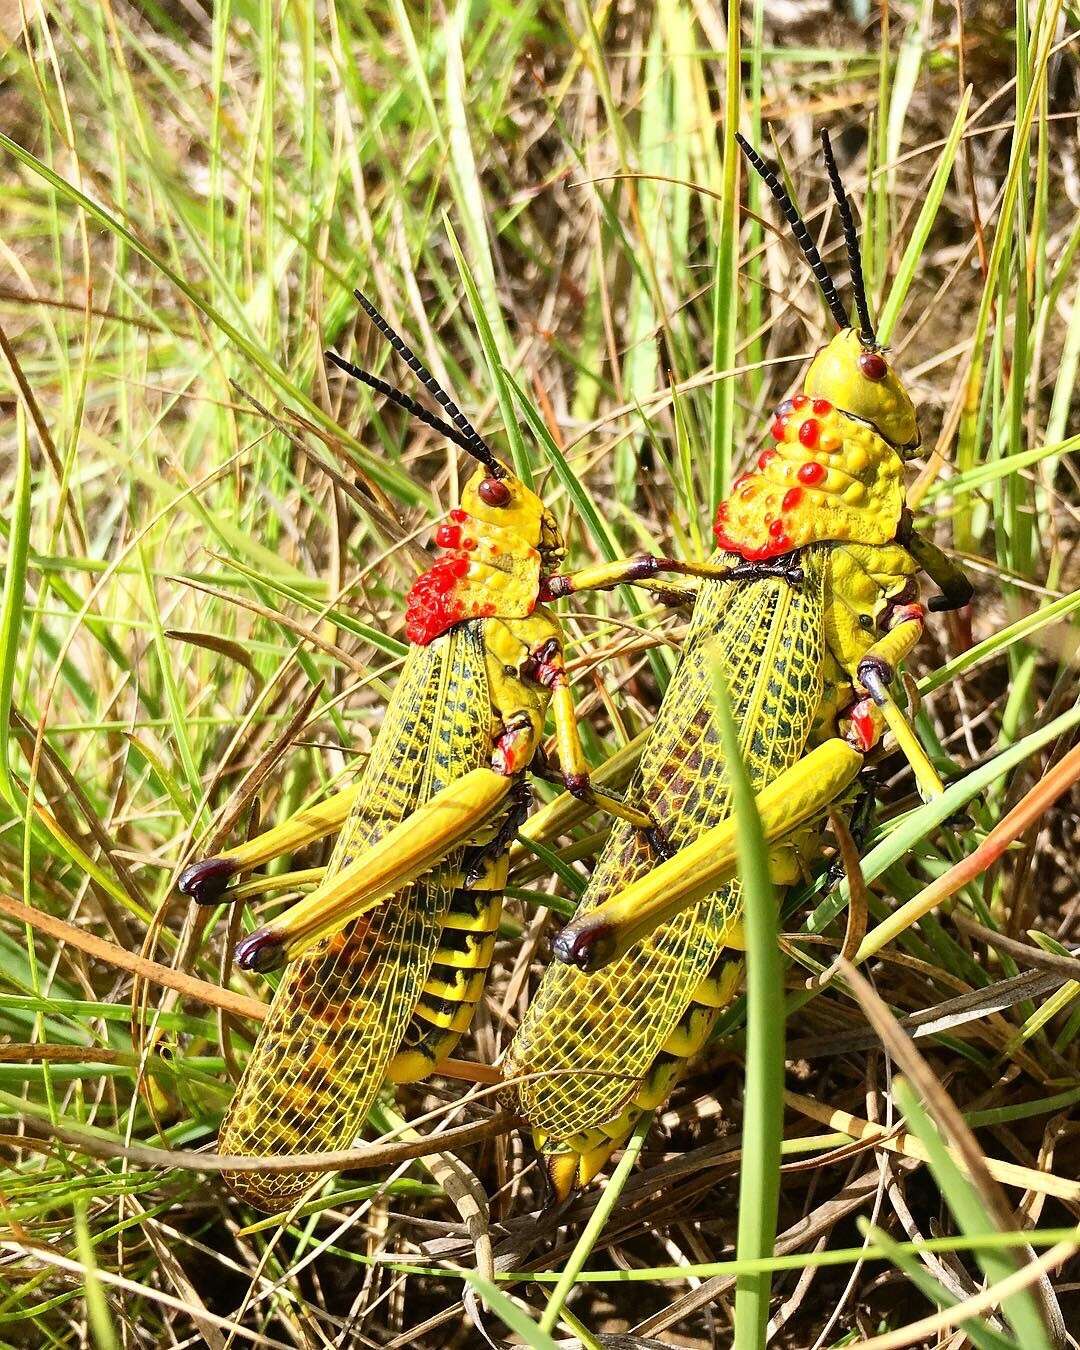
column 809, row 433
column 765, row 458
column 792, row 497
column 864, row 726
column 822, row 407
column 508, row 758
column 904, row 613
column 799, row 402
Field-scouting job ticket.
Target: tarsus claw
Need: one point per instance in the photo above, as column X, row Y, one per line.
column 660, row 842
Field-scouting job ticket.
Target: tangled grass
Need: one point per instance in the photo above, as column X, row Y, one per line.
column 190, row 194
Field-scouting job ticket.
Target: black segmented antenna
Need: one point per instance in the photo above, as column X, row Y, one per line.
column 402, row 400
column 799, row 230
column 468, row 437
column 851, row 238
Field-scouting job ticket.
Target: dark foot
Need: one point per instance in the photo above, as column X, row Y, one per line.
column 205, row 881
column 259, row 951
column 660, row 842
column 953, row 596
column 862, row 816
column 835, row 873
column 519, row 803
column 860, row 820
column 875, row 676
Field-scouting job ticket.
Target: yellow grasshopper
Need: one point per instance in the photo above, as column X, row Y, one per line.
column 390, row 951
column 646, row 964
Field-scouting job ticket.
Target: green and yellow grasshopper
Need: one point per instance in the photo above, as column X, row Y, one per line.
column 808, row 669
column 390, row 951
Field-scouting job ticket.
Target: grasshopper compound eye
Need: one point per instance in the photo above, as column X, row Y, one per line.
column 873, row 366
column 494, row 492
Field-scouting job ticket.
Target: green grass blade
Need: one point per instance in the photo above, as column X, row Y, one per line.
column 970, row 1213
column 982, row 1336
column 722, row 425
column 763, row 1099
column 928, row 213
column 393, row 480
column 590, row 1234
column 12, row 605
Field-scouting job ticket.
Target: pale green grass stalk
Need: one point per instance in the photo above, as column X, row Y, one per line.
column 590, row 1234
column 763, row 1110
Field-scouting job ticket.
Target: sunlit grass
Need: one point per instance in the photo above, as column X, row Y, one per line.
column 544, row 199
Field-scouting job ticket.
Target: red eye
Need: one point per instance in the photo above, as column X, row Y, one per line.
column 873, row 366
column 493, row 492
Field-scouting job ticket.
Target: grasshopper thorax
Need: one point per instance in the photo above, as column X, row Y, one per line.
column 834, row 471
column 496, row 544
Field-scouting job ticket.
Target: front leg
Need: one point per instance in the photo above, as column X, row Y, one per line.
column 647, row 570
column 876, row 672
column 956, row 589
column 546, row 667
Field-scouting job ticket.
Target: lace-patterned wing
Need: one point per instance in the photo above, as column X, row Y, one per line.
column 340, row 1011
column 588, row 1040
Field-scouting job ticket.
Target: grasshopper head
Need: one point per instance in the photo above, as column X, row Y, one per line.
column 498, row 542
column 500, row 539
column 858, row 379
column 835, row 470
column 851, row 372
column 503, row 503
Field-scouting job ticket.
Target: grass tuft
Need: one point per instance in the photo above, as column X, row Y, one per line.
column 190, row 195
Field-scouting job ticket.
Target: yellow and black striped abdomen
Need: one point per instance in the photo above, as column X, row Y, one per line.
column 590, row 1041
column 340, row 1011
column 454, row 986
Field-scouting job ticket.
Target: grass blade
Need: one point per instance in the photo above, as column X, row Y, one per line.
column 763, row 1110
column 11, row 609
